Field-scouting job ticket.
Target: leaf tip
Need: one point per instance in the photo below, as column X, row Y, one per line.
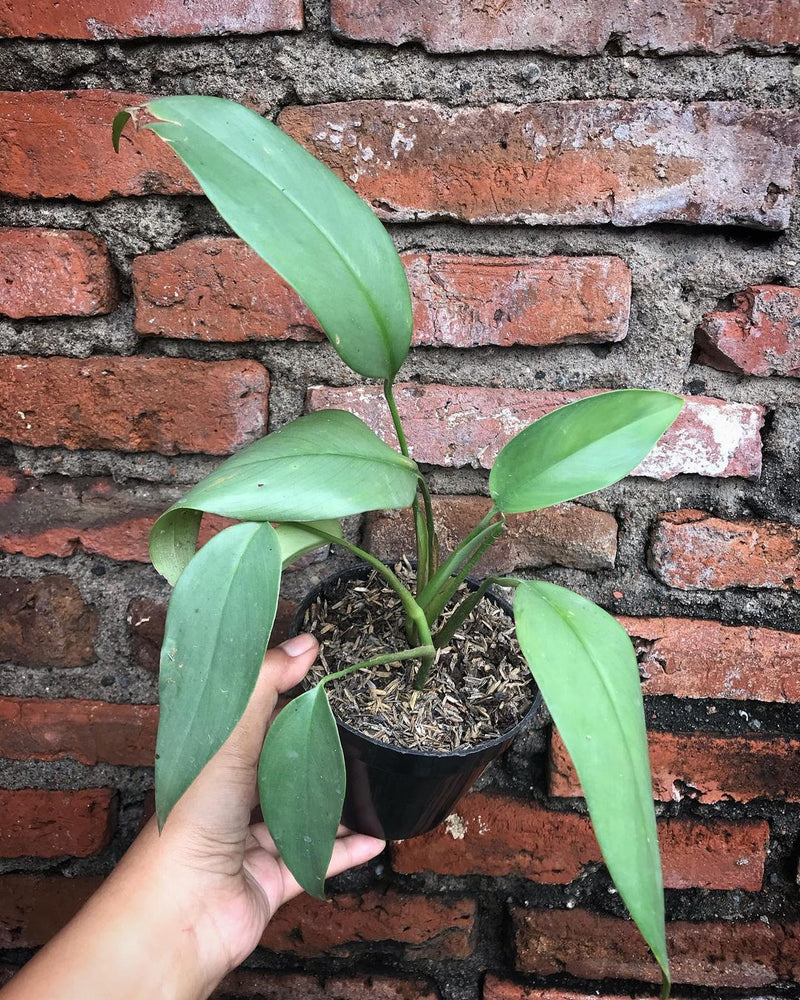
column 121, row 119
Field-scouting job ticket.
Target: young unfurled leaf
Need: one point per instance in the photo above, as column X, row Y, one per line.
column 301, row 780
column 303, row 220
column 321, row 466
column 585, row 666
column 581, row 447
column 218, row 624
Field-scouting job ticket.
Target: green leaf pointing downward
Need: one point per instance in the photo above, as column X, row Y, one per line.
column 585, row 666
column 219, row 620
column 303, row 220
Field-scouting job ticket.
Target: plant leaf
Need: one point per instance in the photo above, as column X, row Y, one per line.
column 581, row 447
column 218, row 623
column 585, row 666
column 324, row 465
column 297, row 539
column 173, row 541
column 302, row 220
column 301, row 780
column 121, row 119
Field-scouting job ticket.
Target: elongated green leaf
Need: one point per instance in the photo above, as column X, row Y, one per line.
column 296, row 540
column 301, row 782
column 579, row 448
column 585, row 666
column 218, row 623
column 303, row 220
column 121, row 119
column 325, row 465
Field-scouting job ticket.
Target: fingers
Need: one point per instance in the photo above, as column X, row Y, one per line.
column 284, row 667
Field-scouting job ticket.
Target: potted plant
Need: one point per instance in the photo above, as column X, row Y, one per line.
column 290, row 490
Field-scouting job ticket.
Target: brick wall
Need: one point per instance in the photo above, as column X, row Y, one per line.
column 585, row 196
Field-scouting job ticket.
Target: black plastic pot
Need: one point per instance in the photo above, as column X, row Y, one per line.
column 393, row 792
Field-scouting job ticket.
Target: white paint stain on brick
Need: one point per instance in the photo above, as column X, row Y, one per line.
column 456, row 826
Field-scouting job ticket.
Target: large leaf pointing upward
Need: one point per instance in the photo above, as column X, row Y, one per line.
column 303, row 220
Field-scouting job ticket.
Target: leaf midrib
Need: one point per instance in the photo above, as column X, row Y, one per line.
column 373, row 306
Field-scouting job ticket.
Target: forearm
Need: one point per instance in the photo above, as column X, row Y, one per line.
column 131, row 941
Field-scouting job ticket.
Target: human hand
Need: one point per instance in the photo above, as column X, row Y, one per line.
column 185, row 907
column 225, row 873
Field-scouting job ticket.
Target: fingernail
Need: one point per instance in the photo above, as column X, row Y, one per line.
column 298, row 644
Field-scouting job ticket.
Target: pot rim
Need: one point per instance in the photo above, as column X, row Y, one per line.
column 354, row 573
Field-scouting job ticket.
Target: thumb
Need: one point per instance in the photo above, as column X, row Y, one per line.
column 283, row 668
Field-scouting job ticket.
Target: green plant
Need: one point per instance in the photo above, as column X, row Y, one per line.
column 290, row 489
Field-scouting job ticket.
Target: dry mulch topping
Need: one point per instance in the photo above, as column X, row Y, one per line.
column 479, row 686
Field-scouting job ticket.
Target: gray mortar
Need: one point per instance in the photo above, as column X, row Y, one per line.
column 679, row 274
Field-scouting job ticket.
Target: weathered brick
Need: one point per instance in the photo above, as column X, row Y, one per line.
column 425, row 927
column 494, row 835
column 706, row 953
column 275, row 986
column 690, row 658
column 142, row 18
column 45, row 622
column 503, row 989
column 705, row 767
column 57, row 144
column 219, row 289
column 759, row 335
column 567, row 535
column 35, row 907
column 91, row 732
column 59, row 516
column 55, row 272
column 146, row 619
column 692, row 550
column 165, row 405
column 566, row 29
column 627, row 163
column 456, row 426
column 42, row 823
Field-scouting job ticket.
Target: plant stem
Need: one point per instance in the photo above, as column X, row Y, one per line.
column 454, row 560
column 423, row 530
column 405, row 654
column 410, row 606
column 471, row 601
column 451, row 585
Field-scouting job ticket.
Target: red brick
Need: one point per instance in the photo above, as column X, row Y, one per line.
column 503, row 989
column 456, row 426
column 165, row 405
column 55, row 272
column 426, row 927
column 45, row 622
column 495, row 835
column 41, row 823
column 142, row 18
column 692, row 550
column 91, row 732
column 59, row 516
column 146, row 620
column 275, row 986
column 705, row 767
column 703, row 659
column 759, row 335
column 219, row 289
column 35, row 907
column 628, row 163
column 57, row 144
column 567, row 535
column 565, row 29
column 706, row 953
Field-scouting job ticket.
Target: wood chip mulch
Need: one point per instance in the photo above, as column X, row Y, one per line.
column 478, row 689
